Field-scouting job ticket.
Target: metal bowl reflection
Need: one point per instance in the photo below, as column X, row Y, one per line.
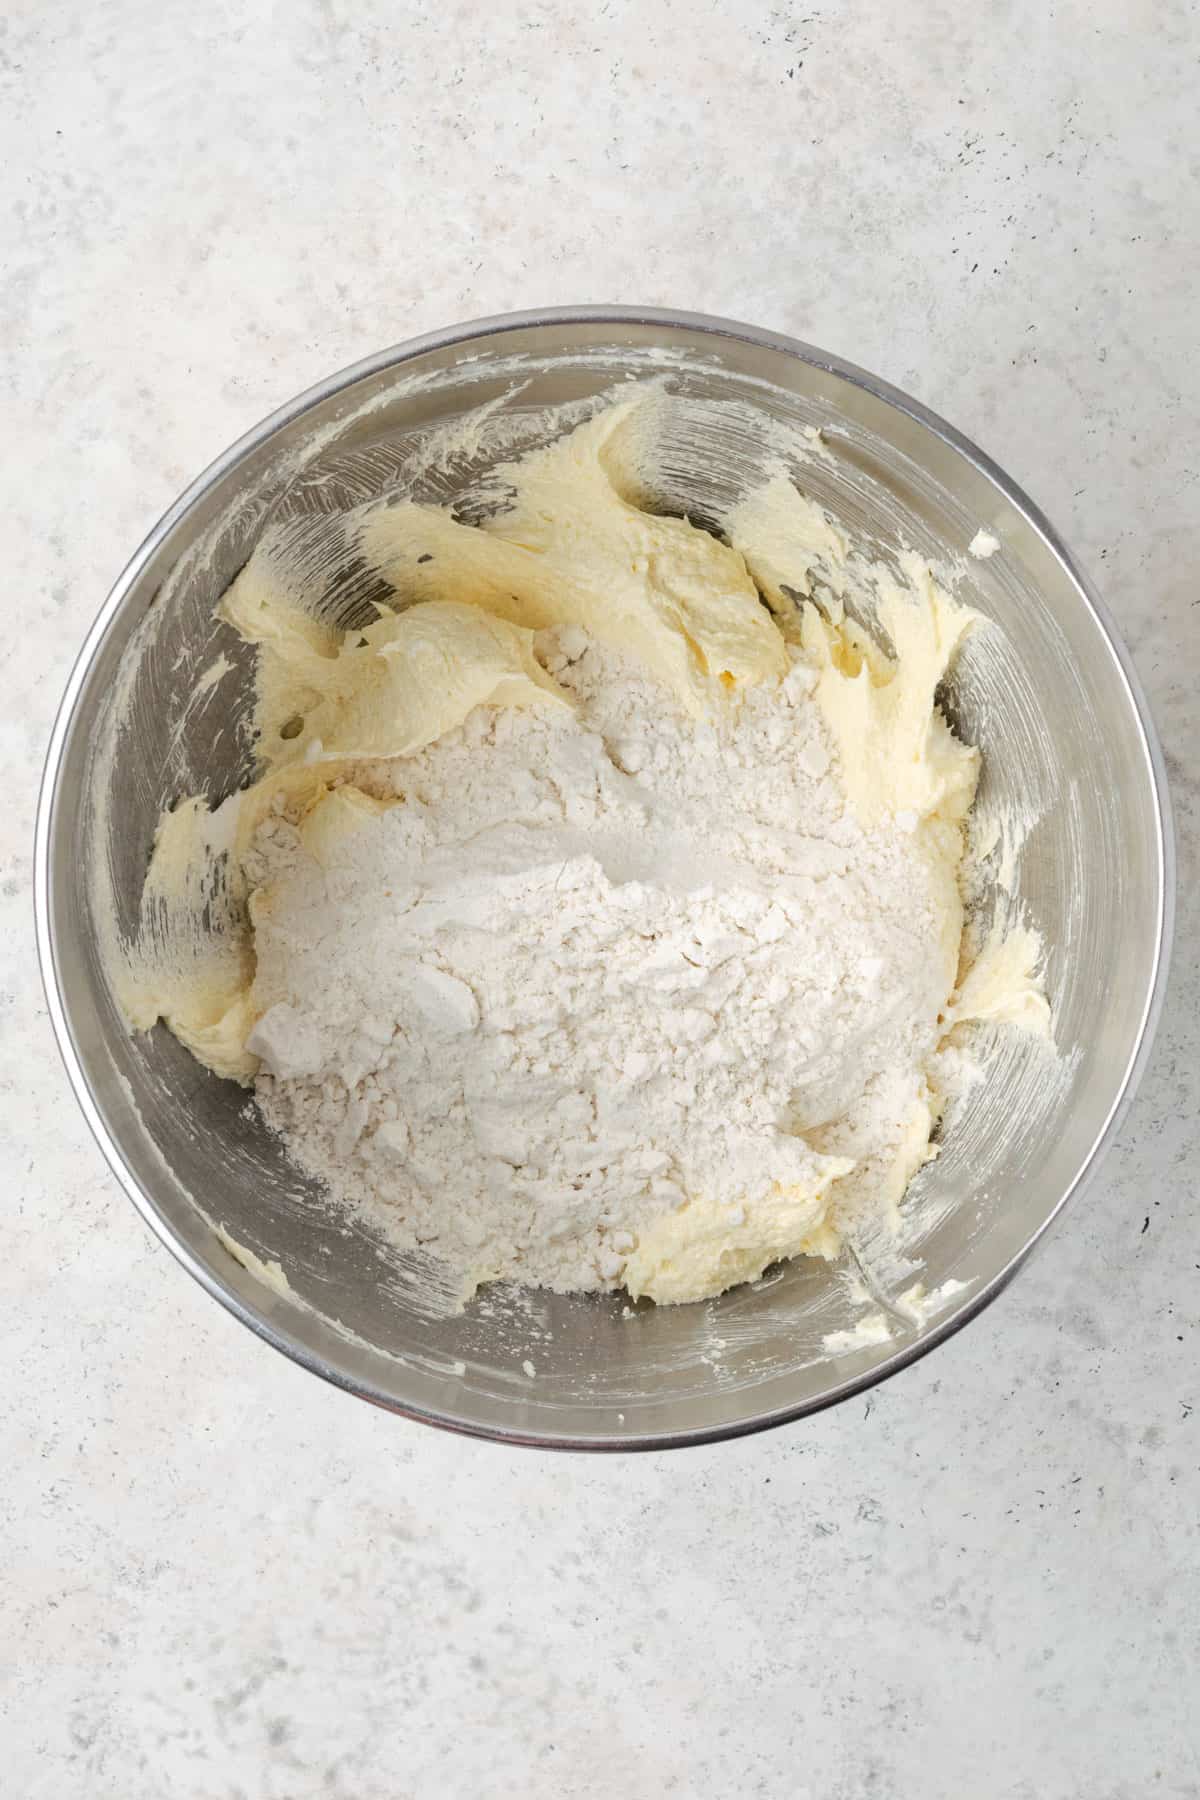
column 1063, row 728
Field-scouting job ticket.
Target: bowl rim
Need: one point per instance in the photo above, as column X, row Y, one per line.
column 45, row 874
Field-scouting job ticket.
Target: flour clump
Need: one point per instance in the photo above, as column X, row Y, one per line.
column 593, row 972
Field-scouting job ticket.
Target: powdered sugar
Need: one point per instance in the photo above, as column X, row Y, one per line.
column 593, row 967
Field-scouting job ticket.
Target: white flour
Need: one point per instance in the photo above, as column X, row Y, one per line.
column 592, row 965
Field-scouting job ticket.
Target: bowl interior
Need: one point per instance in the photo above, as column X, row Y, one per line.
column 1064, row 750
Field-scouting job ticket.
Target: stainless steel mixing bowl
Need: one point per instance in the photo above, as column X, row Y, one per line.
column 1066, row 736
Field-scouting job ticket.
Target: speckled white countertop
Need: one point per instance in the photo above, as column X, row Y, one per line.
column 219, row 1578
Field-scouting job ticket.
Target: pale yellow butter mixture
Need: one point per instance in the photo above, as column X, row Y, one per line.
column 710, row 621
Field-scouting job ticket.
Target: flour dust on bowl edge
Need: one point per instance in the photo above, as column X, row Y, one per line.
column 1067, row 743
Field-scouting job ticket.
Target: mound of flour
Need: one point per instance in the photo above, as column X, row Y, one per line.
column 589, row 966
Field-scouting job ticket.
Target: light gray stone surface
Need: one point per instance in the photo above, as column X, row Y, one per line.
column 218, row 1578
